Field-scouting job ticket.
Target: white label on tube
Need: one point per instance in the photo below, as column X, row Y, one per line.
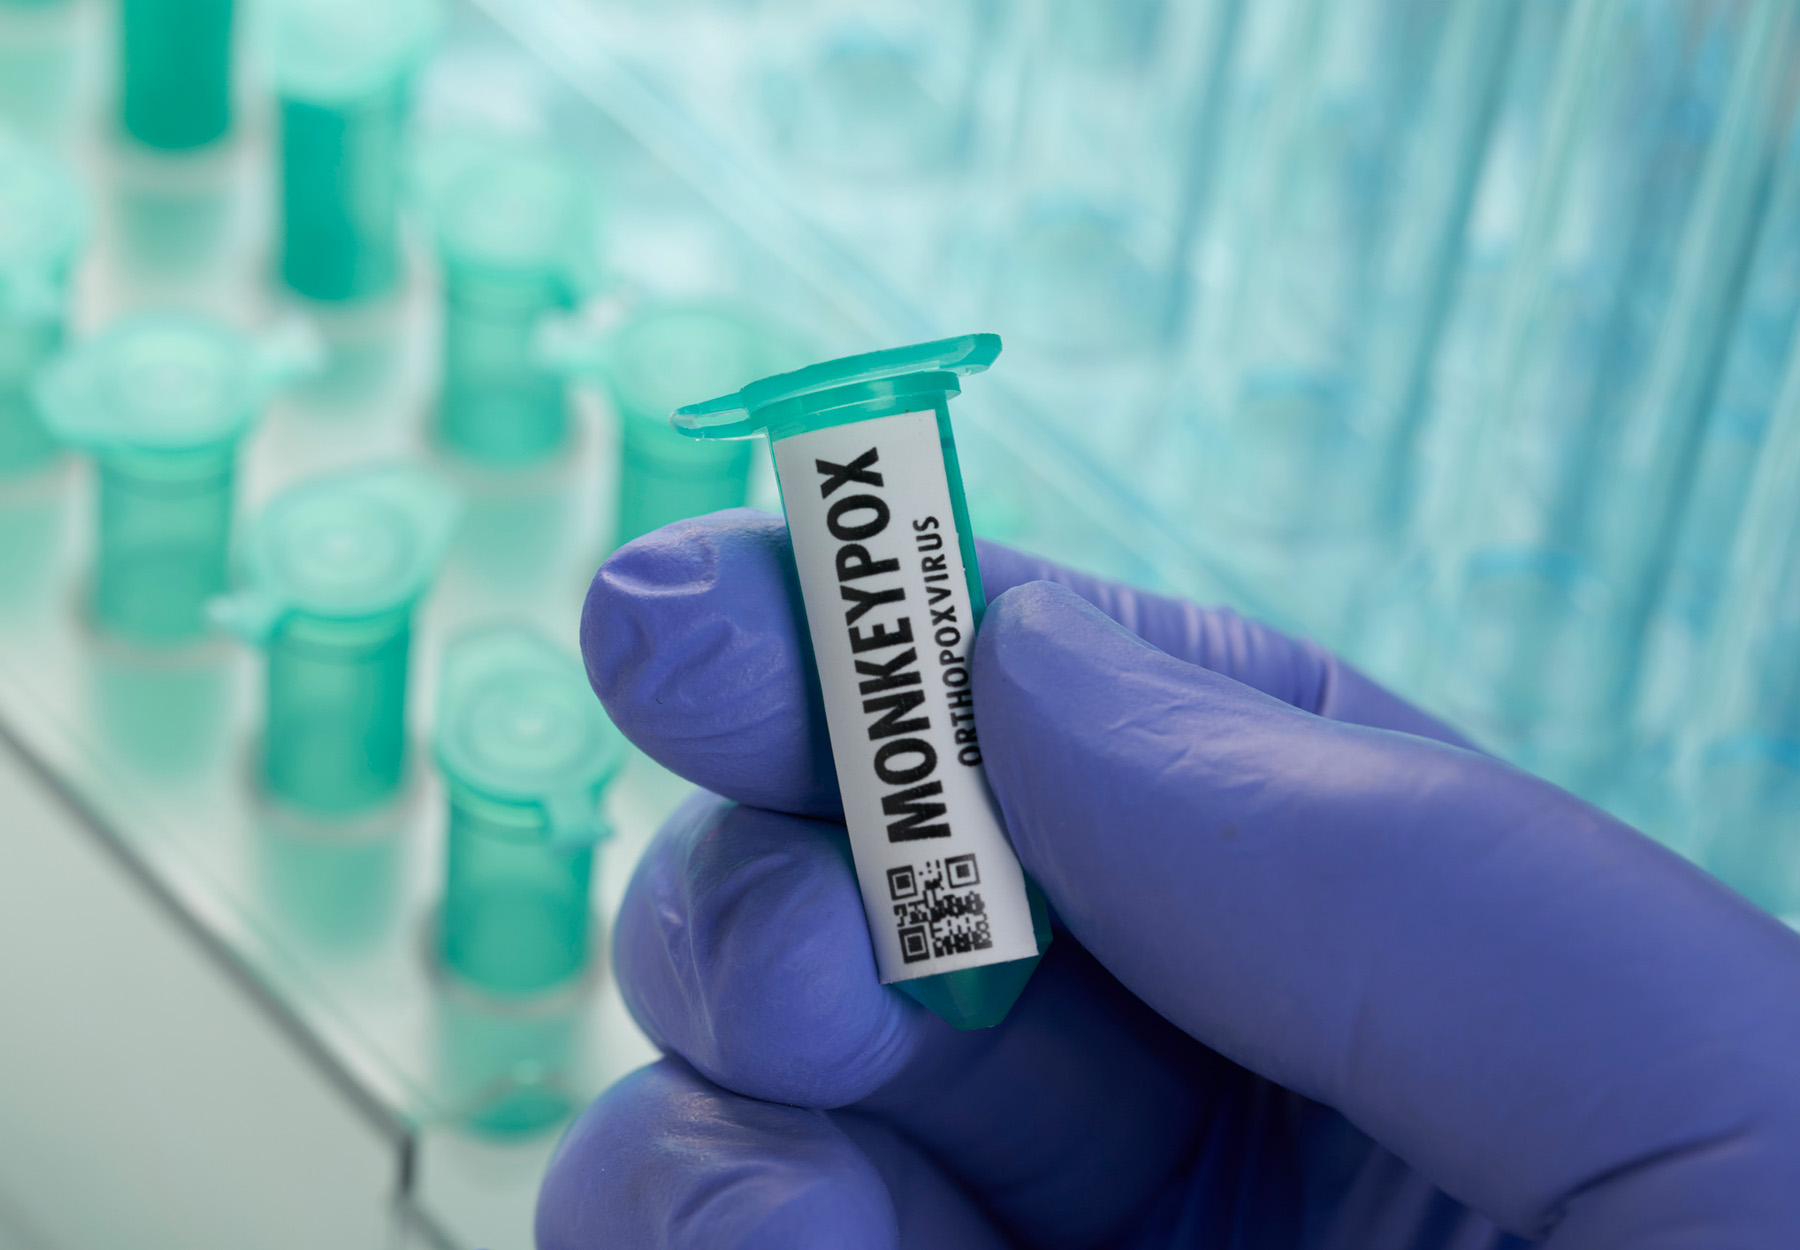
column 868, row 506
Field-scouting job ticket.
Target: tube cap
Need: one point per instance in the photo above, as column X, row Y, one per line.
column 748, row 411
column 518, row 725
column 333, row 51
column 348, row 547
column 167, row 382
column 41, row 224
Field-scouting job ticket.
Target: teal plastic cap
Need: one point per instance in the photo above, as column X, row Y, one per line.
column 666, row 352
column 335, row 51
column 349, row 547
column 168, row 382
column 818, row 389
column 42, row 221
column 517, row 725
column 511, row 210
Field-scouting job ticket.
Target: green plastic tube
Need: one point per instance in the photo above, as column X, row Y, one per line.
column 873, row 494
column 41, row 227
column 662, row 355
column 525, row 752
column 175, row 71
column 161, row 401
column 343, row 74
column 514, row 231
column 331, row 572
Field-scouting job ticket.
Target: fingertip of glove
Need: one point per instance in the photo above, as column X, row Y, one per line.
column 693, row 645
column 742, row 947
column 642, row 591
column 643, row 1164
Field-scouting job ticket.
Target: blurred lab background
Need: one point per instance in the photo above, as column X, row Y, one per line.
column 337, row 340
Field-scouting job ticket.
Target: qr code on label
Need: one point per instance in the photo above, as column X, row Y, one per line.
column 938, row 909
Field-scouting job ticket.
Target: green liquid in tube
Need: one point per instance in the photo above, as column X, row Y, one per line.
column 160, row 401
column 872, row 489
column 175, row 71
column 41, row 227
column 332, row 571
column 525, row 752
column 343, row 73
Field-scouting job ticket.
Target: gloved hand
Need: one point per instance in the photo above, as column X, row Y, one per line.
column 1323, row 976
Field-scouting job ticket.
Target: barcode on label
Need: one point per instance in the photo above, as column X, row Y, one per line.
column 938, row 909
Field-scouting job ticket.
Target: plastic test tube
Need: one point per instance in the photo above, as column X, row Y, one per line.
column 161, row 401
column 513, row 228
column 874, row 502
column 175, row 71
column 661, row 356
column 41, row 226
column 525, row 752
column 343, row 71
column 331, row 572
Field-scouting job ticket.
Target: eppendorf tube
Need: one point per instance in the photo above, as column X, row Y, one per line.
column 343, row 71
column 874, row 503
column 175, row 71
column 331, row 572
column 161, row 401
column 525, row 753
column 515, row 231
column 661, row 354
column 41, row 228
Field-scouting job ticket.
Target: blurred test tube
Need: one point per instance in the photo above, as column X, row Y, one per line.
column 515, row 228
column 526, row 753
column 175, row 71
column 160, row 401
column 344, row 71
column 41, row 230
column 662, row 356
column 330, row 574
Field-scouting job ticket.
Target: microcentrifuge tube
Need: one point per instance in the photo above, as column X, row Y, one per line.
column 659, row 356
column 330, row 574
column 343, row 72
column 41, row 228
column 525, row 752
column 175, row 71
column 869, row 480
column 514, row 228
column 161, row 401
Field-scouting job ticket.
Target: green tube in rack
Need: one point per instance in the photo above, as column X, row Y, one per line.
column 175, row 71
column 525, row 752
column 514, row 232
column 41, row 227
column 343, row 74
column 662, row 354
column 330, row 574
column 161, row 401
column 869, row 480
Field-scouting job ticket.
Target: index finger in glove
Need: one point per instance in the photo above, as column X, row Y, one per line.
column 1555, row 1019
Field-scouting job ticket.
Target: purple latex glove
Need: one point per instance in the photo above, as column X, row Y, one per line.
column 1324, row 977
